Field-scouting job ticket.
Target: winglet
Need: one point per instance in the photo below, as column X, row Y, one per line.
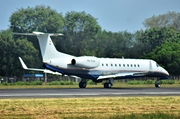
column 34, row 69
column 23, row 64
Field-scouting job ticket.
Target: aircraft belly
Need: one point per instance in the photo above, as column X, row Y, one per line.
column 77, row 72
column 157, row 74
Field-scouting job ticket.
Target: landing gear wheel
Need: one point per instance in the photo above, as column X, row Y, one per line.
column 82, row 85
column 157, row 84
column 107, row 85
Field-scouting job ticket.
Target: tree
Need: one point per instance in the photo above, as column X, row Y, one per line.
column 7, row 48
column 167, row 55
column 170, row 19
column 39, row 18
column 80, row 28
column 153, row 37
column 116, row 45
column 28, row 52
column 10, row 50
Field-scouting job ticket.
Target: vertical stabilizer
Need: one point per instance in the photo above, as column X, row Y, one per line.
column 48, row 50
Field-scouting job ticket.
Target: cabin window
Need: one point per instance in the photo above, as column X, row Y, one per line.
column 102, row 64
column 106, row 64
column 115, row 65
column 138, row 65
column 123, row 65
column 134, row 65
column 127, row 65
column 120, row 65
column 111, row 64
column 131, row 65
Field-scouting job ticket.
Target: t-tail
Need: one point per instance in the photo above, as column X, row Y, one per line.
column 48, row 50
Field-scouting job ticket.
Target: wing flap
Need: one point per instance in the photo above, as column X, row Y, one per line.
column 122, row 75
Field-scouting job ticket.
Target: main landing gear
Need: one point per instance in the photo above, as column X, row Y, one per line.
column 109, row 83
column 157, row 83
column 83, row 83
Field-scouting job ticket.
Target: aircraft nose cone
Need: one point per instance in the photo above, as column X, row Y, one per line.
column 164, row 71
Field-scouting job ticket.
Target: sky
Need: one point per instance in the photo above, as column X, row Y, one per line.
column 112, row 15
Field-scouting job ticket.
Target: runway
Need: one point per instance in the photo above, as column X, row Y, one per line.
column 88, row 92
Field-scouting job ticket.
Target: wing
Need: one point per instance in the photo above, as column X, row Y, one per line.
column 34, row 69
column 123, row 75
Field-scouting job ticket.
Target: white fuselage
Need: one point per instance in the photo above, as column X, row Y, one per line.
column 107, row 66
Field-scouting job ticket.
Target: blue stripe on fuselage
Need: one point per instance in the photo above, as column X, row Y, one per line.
column 53, row 68
column 79, row 73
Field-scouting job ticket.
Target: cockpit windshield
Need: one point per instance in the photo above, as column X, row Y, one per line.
column 157, row 64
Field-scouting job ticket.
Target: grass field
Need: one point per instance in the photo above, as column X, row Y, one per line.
column 117, row 84
column 165, row 107
column 88, row 86
column 96, row 108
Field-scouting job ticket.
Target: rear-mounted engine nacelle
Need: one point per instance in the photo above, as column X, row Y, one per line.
column 86, row 62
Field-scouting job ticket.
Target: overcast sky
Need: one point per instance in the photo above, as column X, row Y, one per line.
column 112, row 15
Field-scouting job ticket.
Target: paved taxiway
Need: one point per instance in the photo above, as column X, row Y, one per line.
column 88, row 92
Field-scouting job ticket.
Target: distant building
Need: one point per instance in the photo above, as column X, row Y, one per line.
column 33, row 77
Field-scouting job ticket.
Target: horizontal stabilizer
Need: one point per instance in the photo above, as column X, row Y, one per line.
column 35, row 33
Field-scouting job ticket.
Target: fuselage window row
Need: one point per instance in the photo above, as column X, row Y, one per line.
column 128, row 65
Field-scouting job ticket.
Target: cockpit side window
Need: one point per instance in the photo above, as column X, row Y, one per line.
column 157, row 65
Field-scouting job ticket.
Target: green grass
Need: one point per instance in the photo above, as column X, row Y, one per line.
column 167, row 107
column 136, row 82
column 96, row 108
column 90, row 84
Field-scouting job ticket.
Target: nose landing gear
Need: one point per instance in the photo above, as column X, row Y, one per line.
column 157, row 83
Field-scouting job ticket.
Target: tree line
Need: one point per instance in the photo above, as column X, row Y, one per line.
column 83, row 35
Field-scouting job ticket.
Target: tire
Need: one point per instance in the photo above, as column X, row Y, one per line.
column 82, row 85
column 107, row 85
column 157, row 85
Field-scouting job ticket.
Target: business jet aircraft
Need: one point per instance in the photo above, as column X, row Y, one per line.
column 97, row 69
